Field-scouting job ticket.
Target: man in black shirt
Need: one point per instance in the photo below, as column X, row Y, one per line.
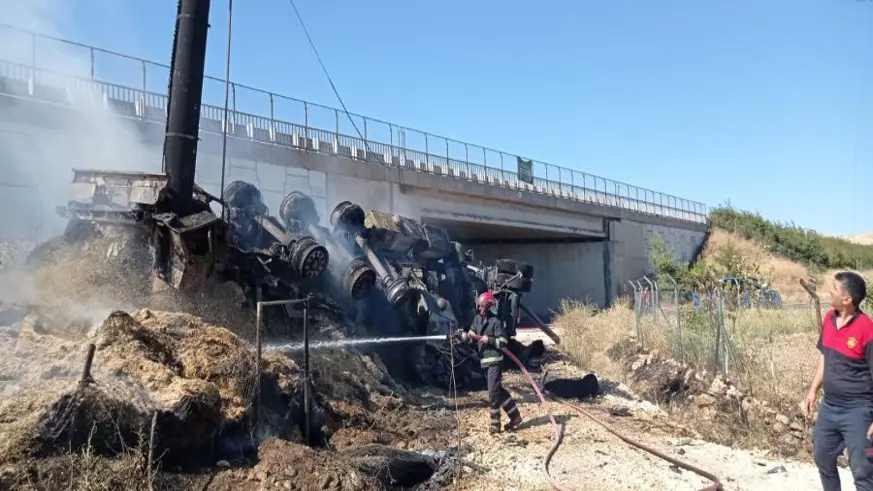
column 490, row 333
column 845, row 372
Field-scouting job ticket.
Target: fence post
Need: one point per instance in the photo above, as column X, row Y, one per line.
column 448, row 157
column 427, row 152
column 653, row 295
column 401, row 136
column 306, row 377
column 256, row 402
column 660, row 307
column 718, row 314
column 637, row 295
column 722, row 339
column 336, row 131
column 678, row 315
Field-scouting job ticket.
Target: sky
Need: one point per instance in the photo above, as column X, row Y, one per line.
column 764, row 104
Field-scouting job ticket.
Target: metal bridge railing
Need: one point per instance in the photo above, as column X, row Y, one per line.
column 315, row 127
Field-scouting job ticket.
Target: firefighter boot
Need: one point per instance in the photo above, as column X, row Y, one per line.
column 514, row 414
column 494, row 427
column 514, row 422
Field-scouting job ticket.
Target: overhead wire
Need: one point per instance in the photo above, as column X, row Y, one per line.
column 327, row 75
column 865, row 77
column 226, row 107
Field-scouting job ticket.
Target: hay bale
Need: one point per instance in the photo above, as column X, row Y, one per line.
column 58, row 416
column 98, row 268
column 36, row 355
column 379, row 219
column 178, row 357
column 198, row 377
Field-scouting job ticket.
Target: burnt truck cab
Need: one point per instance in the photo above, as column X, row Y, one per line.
column 192, row 248
column 131, row 209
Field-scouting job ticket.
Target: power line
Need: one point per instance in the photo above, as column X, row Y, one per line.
column 327, row 75
column 865, row 77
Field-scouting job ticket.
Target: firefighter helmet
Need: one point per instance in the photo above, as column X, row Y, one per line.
column 485, row 300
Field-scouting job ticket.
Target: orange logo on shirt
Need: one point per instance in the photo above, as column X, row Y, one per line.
column 852, row 342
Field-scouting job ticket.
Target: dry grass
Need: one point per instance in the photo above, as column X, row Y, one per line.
column 84, row 469
column 588, row 336
column 774, row 354
column 772, row 359
column 770, row 346
column 784, row 275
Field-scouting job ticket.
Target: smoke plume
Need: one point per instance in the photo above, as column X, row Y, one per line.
column 53, row 120
column 41, row 142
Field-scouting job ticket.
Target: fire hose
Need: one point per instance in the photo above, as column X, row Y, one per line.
column 559, row 433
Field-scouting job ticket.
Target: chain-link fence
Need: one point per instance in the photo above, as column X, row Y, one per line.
column 734, row 329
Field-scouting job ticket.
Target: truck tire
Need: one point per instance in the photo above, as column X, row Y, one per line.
column 511, row 267
column 507, row 309
column 514, row 282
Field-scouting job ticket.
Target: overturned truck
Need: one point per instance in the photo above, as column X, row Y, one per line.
column 393, row 274
column 389, row 274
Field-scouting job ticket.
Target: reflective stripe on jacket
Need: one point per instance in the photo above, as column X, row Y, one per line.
column 490, row 325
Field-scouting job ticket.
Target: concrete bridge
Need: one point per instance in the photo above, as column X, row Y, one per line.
column 585, row 235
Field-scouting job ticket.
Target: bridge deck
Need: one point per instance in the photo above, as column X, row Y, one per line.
column 21, row 80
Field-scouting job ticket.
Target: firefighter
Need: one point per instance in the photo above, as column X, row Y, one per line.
column 489, row 332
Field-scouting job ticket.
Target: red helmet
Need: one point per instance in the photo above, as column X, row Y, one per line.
column 485, row 299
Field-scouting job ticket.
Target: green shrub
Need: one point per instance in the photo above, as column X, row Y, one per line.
column 727, row 260
column 793, row 242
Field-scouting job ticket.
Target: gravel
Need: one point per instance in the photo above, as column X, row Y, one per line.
column 590, row 458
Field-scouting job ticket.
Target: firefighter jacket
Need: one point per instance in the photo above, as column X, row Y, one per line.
column 490, row 325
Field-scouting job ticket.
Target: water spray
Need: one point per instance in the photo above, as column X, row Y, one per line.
column 342, row 343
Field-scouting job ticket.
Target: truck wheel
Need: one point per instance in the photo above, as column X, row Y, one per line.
column 507, row 310
column 514, row 282
column 511, row 267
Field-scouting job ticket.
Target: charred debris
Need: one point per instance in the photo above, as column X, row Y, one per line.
column 371, row 273
column 389, row 274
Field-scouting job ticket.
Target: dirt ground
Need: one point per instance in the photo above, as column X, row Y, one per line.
column 590, row 458
column 430, row 421
column 363, row 416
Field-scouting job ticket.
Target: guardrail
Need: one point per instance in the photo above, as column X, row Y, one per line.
column 306, row 126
